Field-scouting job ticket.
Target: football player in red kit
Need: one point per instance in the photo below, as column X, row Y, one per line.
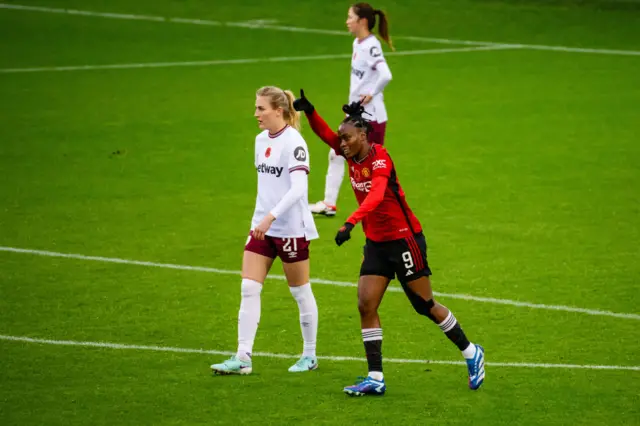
column 395, row 245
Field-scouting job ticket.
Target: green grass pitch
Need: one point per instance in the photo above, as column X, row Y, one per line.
column 523, row 164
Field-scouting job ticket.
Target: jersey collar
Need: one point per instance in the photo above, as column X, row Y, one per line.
column 278, row 133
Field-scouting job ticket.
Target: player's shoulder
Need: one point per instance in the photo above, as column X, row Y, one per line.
column 372, row 40
column 293, row 137
column 379, row 151
column 372, row 45
column 380, row 158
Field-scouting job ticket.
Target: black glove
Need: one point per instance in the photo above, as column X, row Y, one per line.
column 303, row 104
column 353, row 109
column 344, row 233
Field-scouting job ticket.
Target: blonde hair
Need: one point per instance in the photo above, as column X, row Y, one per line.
column 279, row 98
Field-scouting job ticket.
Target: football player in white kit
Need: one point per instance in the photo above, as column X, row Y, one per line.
column 282, row 226
column 369, row 76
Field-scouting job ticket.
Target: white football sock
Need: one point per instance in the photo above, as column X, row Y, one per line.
column 470, row 352
column 248, row 317
column 376, row 375
column 308, row 317
column 335, row 174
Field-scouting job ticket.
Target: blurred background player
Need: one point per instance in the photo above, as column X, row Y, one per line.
column 369, row 76
column 395, row 244
column 281, row 226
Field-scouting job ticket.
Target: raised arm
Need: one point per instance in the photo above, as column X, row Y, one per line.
column 318, row 125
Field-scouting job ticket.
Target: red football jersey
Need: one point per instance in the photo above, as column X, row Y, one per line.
column 383, row 210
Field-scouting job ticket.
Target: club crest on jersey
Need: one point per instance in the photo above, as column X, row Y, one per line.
column 366, row 173
column 272, row 170
column 379, row 164
column 267, row 153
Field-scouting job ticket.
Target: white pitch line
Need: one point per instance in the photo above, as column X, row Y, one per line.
column 322, row 281
column 313, row 30
column 238, row 61
column 108, row 345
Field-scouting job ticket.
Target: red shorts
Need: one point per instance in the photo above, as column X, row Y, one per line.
column 289, row 250
column 377, row 135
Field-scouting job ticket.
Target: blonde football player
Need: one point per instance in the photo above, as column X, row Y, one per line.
column 282, row 226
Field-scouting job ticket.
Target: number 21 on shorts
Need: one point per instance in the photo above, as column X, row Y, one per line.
column 288, row 243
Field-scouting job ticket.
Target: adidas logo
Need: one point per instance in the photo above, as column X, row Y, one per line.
column 409, row 273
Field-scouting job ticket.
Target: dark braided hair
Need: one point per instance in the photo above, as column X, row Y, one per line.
column 354, row 112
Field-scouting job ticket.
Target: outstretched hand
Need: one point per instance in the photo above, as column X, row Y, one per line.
column 303, row 104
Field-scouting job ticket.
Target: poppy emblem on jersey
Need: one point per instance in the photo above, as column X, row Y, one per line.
column 267, row 153
column 366, row 173
column 356, row 174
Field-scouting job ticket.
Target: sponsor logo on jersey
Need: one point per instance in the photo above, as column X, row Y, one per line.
column 300, row 154
column 374, row 52
column 272, row 170
column 267, row 153
column 358, row 73
column 379, row 164
column 361, row 186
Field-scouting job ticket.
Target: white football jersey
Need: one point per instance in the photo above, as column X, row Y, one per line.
column 276, row 156
column 367, row 53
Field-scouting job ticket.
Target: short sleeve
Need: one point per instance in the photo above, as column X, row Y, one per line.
column 374, row 55
column 298, row 155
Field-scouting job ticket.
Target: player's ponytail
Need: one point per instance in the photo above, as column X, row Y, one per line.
column 291, row 116
column 365, row 10
column 383, row 27
column 355, row 112
column 279, row 98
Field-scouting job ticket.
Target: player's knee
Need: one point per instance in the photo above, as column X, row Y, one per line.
column 366, row 308
column 250, row 288
column 424, row 307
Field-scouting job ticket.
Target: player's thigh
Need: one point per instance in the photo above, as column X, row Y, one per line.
column 412, row 269
column 297, row 273
column 294, row 253
column 420, row 287
column 371, row 289
column 257, row 258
